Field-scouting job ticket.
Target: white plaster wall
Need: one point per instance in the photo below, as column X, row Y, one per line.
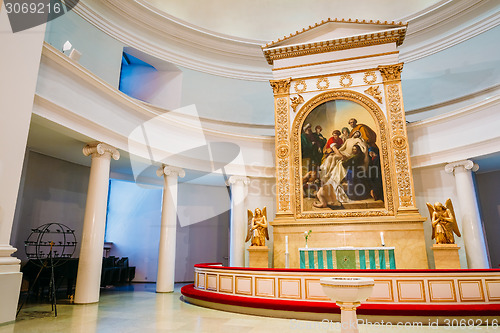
column 134, row 219
column 206, row 238
column 53, row 191
column 133, row 226
column 227, row 99
column 468, row 67
column 262, row 193
column 487, row 187
column 158, row 87
column 93, row 108
column 101, row 54
column 434, row 184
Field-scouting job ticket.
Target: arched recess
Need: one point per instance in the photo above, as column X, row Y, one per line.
column 382, row 129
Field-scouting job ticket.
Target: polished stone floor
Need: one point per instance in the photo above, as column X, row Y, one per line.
column 137, row 308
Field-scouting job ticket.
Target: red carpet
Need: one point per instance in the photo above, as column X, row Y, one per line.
column 326, row 307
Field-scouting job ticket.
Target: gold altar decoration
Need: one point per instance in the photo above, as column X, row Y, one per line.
column 444, row 223
column 353, row 97
column 257, row 227
column 296, row 101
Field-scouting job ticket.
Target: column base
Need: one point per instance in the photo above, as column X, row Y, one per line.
column 258, row 256
column 446, row 256
column 10, row 286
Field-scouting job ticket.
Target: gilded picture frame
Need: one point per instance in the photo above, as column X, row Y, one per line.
column 351, row 105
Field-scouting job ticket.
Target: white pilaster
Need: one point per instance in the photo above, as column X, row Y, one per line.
column 88, row 279
column 238, row 223
column 472, row 228
column 166, row 253
column 19, row 63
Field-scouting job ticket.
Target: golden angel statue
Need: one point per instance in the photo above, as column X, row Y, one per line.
column 443, row 222
column 257, row 227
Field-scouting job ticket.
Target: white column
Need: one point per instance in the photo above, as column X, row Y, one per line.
column 472, row 228
column 19, row 63
column 166, row 252
column 88, row 279
column 238, row 223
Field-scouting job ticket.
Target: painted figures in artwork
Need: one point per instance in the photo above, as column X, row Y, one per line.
column 312, row 145
column 444, row 224
column 257, row 227
column 343, row 169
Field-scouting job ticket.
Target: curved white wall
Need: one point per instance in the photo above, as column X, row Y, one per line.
column 449, row 52
column 234, row 94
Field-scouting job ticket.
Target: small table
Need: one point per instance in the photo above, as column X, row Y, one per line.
column 347, row 258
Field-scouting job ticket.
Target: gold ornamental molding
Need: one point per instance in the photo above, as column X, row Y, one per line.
column 395, row 34
column 392, row 83
column 323, row 83
column 281, row 89
column 381, row 121
column 296, row 101
column 300, row 86
column 375, row 92
column 282, row 142
column 333, row 45
column 370, row 77
column 345, row 80
column 337, row 60
column 399, row 141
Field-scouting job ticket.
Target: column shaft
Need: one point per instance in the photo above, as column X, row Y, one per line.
column 475, row 246
column 166, row 251
column 472, row 228
column 19, row 64
column 238, row 223
column 94, row 224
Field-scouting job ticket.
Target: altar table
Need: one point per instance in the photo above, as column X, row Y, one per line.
column 347, row 258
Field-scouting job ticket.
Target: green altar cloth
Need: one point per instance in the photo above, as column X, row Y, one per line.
column 348, row 258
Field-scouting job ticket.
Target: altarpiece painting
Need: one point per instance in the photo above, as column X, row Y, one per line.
column 340, row 158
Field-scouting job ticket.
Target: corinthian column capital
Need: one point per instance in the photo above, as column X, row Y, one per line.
column 238, row 179
column 466, row 164
column 169, row 170
column 280, row 86
column 391, row 72
column 98, row 149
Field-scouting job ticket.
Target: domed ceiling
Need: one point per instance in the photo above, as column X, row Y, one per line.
column 270, row 19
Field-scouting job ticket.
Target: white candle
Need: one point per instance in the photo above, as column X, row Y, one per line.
column 382, row 238
column 286, row 244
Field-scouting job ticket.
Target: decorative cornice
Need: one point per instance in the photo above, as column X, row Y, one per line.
column 168, row 170
column 131, row 104
column 468, row 111
column 335, row 20
column 457, row 20
column 482, row 135
column 238, row 179
column 384, row 37
column 140, row 25
column 337, row 60
column 101, row 149
column 483, row 95
column 466, row 164
column 68, row 118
